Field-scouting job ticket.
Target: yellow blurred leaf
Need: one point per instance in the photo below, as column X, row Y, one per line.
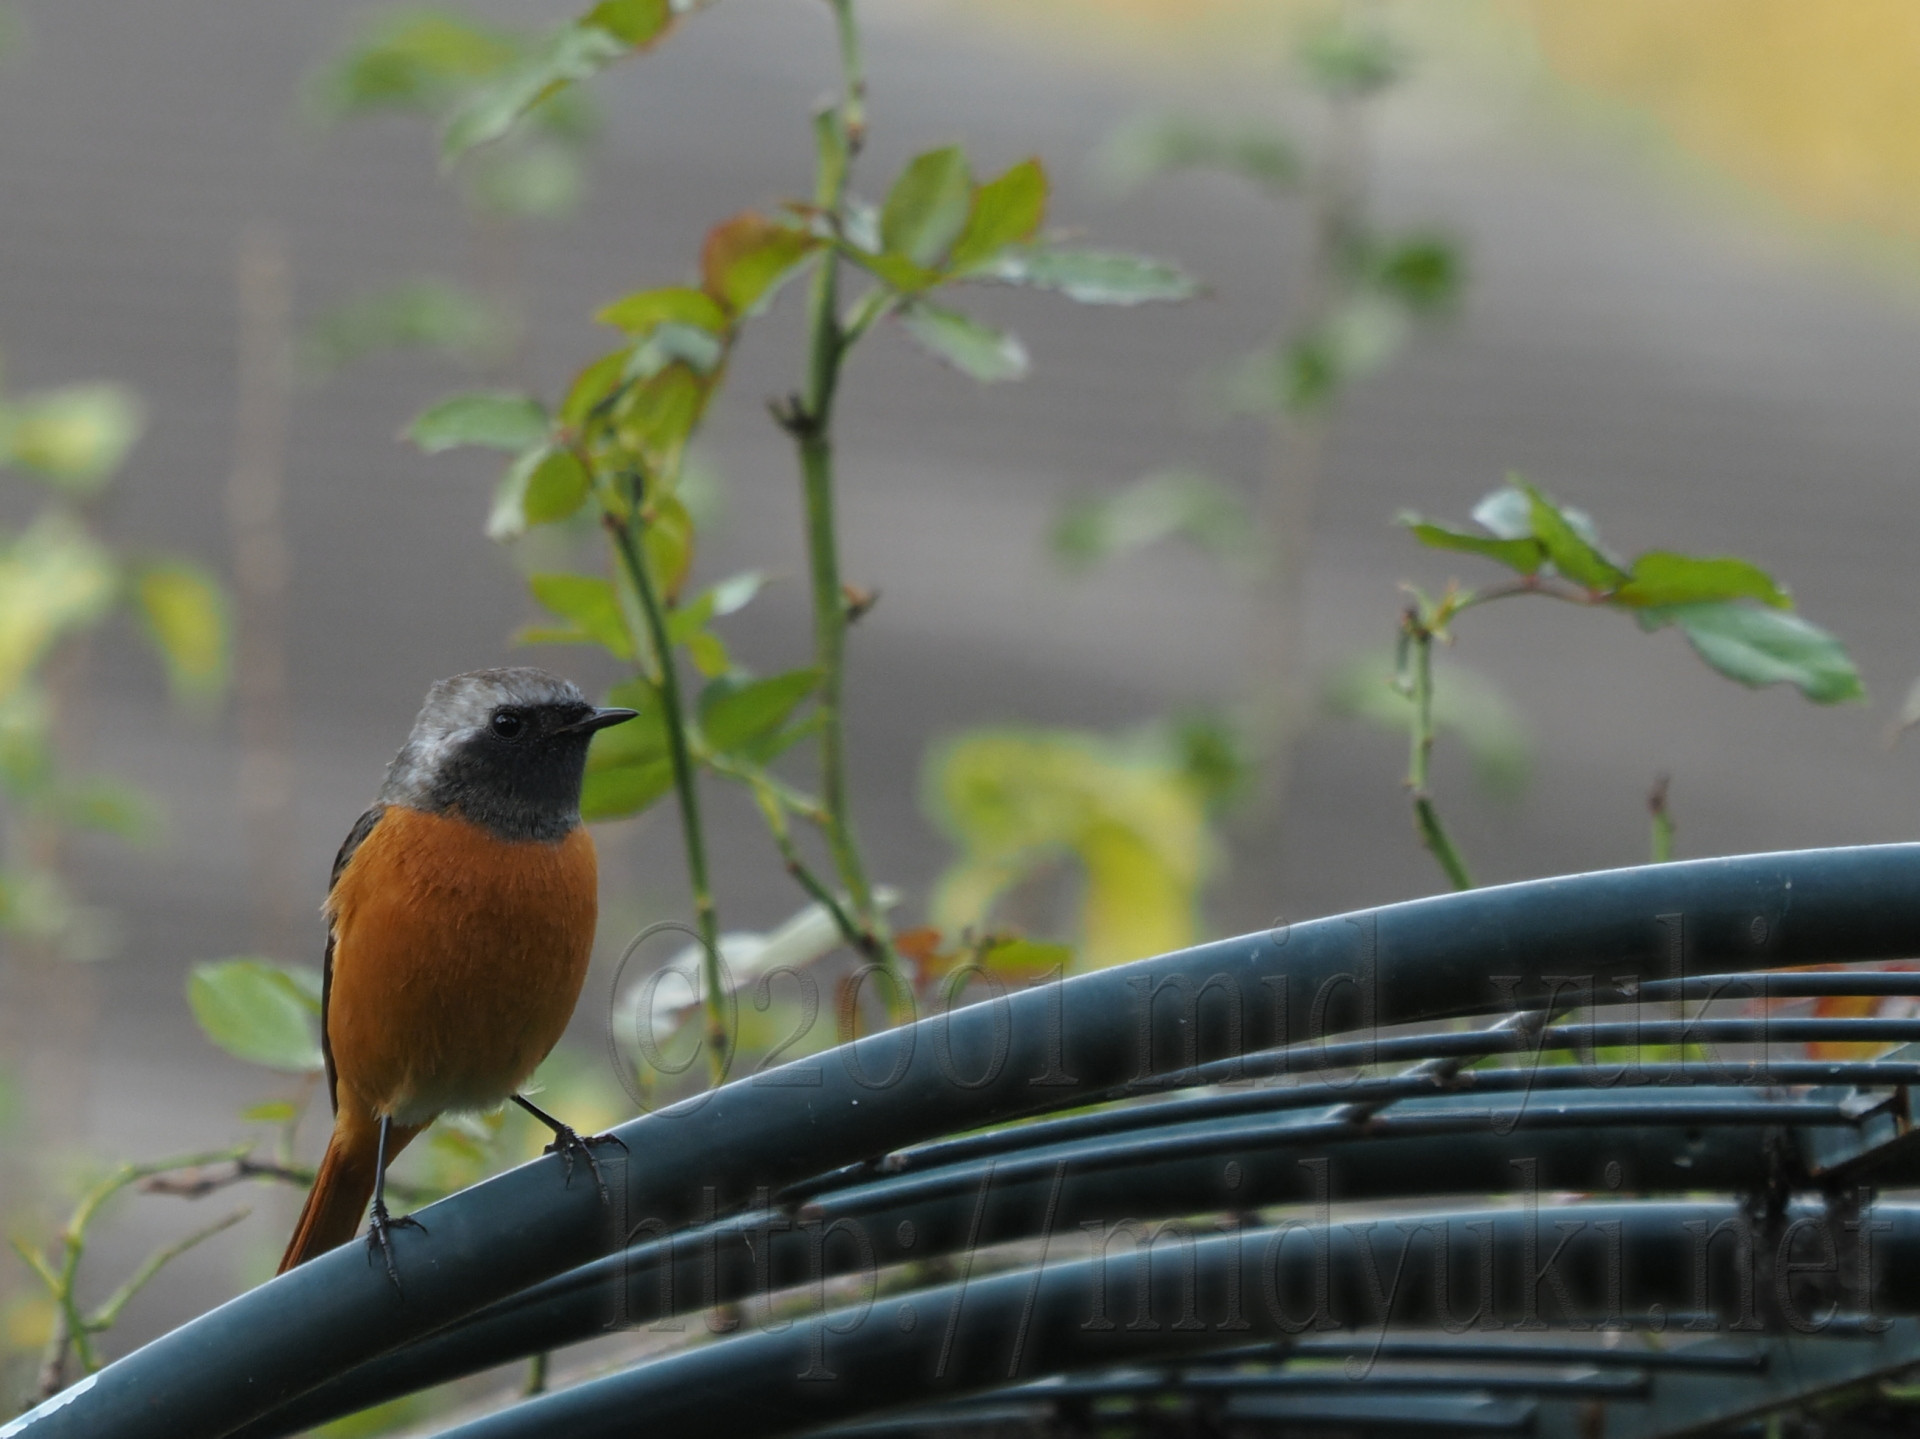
column 186, row 617
column 53, row 578
column 29, row 1321
column 1133, row 819
column 76, row 436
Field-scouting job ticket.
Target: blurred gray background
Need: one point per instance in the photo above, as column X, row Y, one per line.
column 1685, row 373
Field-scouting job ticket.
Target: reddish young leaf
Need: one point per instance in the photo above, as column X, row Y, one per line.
column 747, row 257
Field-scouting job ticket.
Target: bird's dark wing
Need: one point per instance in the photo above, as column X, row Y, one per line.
column 362, row 827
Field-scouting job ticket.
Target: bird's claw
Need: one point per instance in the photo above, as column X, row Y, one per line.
column 570, row 1146
column 380, row 1225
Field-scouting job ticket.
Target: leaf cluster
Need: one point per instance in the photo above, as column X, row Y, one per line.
column 617, row 441
column 1130, row 815
column 442, row 66
column 1737, row 617
column 60, row 579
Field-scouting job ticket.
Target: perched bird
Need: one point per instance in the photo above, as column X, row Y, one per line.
column 459, row 923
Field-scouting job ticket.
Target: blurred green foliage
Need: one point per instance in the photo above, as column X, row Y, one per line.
column 60, row 578
column 1737, row 617
column 434, row 66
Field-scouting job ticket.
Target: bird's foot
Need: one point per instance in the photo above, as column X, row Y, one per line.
column 380, row 1227
column 571, row 1146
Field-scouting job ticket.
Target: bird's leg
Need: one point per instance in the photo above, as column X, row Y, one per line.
column 569, row 1145
column 380, row 1224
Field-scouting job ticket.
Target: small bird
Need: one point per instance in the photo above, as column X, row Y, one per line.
column 460, row 920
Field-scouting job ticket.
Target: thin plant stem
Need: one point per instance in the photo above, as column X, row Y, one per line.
column 1426, row 819
column 771, row 806
column 1662, row 816
column 73, row 1331
column 853, row 107
column 109, row 1312
column 840, row 130
column 197, row 1181
column 794, row 801
column 706, row 917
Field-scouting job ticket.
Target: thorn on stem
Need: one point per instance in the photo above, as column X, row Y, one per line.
column 858, row 600
column 791, row 415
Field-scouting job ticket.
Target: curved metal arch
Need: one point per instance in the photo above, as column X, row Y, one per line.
column 1638, row 1264
column 1104, row 1034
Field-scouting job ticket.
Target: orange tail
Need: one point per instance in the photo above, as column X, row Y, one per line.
column 344, row 1184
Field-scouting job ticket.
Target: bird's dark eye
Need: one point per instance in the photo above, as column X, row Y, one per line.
column 509, row 723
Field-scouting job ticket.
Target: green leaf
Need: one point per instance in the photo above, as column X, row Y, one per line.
column 411, row 61
column 531, row 181
column 860, row 225
column 1663, row 578
column 1421, row 272
column 709, row 653
column 424, row 314
column 1093, row 277
column 1214, row 753
column 594, row 386
column 272, row 1111
column 1308, row 372
column 543, row 485
column 590, row 603
column 1168, row 503
column 1508, row 513
column 186, row 617
column 634, row 22
column 74, row 437
column 557, row 487
column 1016, row 961
column 1763, row 646
column 644, row 310
column 672, row 343
column 53, row 579
column 897, row 271
column 496, row 420
column 1138, row 151
column 667, row 543
column 735, row 593
column 1569, row 551
column 734, row 713
column 927, row 207
column 657, row 415
column 621, row 791
column 746, row 259
column 688, row 619
column 573, row 53
column 264, row 1013
column 642, row 739
column 967, row 345
column 1006, row 211
column 1523, row 555
column 629, row 766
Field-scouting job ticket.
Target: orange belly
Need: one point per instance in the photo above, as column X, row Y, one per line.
column 457, row 961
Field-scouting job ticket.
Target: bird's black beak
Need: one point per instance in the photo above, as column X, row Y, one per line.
column 599, row 719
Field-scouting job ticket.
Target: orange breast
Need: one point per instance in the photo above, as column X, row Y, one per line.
column 457, row 961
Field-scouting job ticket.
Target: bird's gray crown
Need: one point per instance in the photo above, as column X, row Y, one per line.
column 524, row 788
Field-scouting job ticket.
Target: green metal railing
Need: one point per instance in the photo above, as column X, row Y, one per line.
column 842, row 1175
